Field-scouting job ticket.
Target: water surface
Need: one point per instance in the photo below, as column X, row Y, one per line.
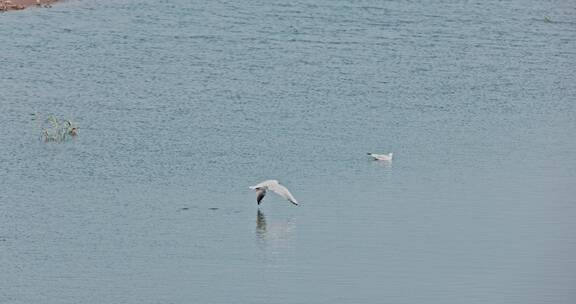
column 183, row 105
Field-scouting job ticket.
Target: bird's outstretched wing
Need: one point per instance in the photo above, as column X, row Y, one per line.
column 260, row 193
column 283, row 192
column 265, row 184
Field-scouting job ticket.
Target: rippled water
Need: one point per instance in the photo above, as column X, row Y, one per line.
column 184, row 104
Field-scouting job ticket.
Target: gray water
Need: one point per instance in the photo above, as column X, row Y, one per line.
column 181, row 105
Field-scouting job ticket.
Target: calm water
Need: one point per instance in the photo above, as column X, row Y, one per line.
column 184, row 104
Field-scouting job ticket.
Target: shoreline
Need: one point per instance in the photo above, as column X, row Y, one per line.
column 12, row 5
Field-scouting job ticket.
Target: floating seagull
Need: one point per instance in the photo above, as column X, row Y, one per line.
column 273, row 185
column 385, row 157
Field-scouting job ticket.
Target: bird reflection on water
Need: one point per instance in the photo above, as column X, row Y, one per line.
column 274, row 234
column 383, row 163
column 260, row 224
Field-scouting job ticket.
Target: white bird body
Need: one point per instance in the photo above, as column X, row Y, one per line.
column 274, row 186
column 384, row 157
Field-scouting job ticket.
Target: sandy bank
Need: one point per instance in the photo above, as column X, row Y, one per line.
column 8, row 5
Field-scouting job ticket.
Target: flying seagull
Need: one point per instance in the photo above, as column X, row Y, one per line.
column 273, row 185
column 385, row 157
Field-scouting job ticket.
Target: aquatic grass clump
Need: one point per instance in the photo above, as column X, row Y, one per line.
column 58, row 131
